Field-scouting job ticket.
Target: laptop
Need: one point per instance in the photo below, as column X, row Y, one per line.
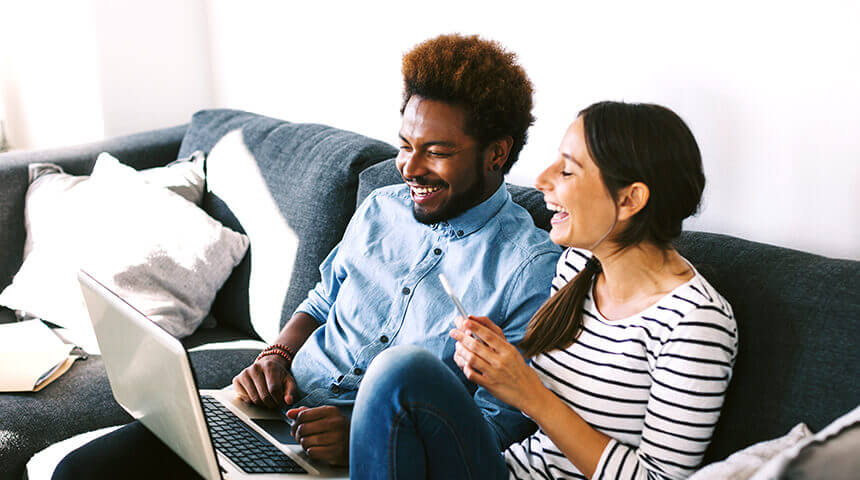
column 218, row 435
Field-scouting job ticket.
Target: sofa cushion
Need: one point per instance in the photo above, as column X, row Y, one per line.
column 303, row 178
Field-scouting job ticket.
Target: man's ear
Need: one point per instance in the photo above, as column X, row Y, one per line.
column 632, row 199
column 496, row 153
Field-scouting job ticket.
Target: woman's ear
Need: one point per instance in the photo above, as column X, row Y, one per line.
column 496, row 154
column 632, row 199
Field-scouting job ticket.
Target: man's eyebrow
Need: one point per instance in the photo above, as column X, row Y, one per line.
column 440, row 143
column 569, row 157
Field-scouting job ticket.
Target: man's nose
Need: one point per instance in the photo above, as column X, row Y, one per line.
column 413, row 165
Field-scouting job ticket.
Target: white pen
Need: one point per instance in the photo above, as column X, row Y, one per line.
column 450, row 292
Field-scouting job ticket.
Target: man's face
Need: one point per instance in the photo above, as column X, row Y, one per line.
column 443, row 166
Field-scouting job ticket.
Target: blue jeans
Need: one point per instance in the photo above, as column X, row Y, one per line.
column 413, row 418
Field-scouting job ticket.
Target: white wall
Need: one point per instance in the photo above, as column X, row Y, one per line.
column 74, row 71
column 48, row 79
column 771, row 91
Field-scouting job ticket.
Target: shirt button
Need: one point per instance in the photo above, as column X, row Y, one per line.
column 383, row 339
column 335, row 389
column 437, row 251
column 459, row 233
column 358, row 371
column 406, row 290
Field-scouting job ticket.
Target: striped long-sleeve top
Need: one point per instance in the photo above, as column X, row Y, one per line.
column 654, row 383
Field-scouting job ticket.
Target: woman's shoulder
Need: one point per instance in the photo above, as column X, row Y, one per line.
column 696, row 310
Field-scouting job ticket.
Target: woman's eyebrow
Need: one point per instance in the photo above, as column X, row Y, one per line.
column 570, row 157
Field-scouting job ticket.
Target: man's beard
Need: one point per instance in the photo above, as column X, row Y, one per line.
column 456, row 205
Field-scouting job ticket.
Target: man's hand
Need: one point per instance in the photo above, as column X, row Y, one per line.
column 267, row 382
column 323, row 432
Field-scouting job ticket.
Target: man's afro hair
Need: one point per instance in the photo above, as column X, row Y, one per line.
column 478, row 76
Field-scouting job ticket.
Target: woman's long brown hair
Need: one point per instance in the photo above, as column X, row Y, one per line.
column 560, row 317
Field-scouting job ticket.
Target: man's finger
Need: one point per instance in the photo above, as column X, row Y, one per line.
column 321, row 440
column 322, row 425
column 239, row 390
column 328, row 453
column 259, row 378
column 248, row 385
column 316, row 413
column 291, row 390
column 275, row 387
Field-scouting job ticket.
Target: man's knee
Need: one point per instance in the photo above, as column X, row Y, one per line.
column 401, row 364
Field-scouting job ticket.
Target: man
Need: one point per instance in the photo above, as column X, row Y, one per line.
column 466, row 109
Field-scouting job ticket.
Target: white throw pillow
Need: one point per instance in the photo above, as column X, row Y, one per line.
column 154, row 248
column 774, row 469
column 743, row 464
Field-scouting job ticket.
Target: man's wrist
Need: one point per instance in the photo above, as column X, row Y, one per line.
column 279, row 351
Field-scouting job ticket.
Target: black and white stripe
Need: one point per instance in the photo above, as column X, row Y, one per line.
column 654, row 383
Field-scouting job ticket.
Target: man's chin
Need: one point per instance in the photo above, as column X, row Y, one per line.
column 428, row 217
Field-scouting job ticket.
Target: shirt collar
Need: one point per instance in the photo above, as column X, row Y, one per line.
column 476, row 217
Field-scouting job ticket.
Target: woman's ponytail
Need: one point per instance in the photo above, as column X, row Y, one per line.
column 558, row 322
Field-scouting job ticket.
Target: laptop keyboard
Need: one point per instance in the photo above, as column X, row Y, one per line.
column 243, row 446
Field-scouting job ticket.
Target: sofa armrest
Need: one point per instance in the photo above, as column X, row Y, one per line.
column 140, row 150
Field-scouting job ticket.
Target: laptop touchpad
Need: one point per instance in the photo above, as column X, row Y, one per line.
column 277, row 428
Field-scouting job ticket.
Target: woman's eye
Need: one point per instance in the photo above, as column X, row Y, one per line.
column 566, row 174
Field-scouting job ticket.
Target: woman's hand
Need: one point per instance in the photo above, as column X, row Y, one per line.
column 493, row 363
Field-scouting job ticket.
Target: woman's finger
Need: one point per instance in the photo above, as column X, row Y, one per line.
column 491, row 338
column 472, row 360
column 488, row 323
column 475, row 346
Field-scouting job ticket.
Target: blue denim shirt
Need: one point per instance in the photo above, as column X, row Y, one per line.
column 380, row 288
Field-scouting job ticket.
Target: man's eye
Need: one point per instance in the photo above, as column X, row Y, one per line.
column 405, row 148
column 438, row 154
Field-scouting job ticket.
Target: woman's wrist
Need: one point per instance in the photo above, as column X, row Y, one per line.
column 540, row 399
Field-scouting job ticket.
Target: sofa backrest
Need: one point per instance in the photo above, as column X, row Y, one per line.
column 310, row 175
column 798, row 319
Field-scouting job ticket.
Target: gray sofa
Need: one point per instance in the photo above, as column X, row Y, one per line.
column 798, row 313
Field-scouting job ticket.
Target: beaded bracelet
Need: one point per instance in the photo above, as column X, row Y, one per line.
column 279, row 350
column 283, row 347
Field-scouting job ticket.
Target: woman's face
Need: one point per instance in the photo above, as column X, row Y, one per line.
column 573, row 188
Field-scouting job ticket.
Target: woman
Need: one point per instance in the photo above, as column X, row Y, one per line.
column 630, row 357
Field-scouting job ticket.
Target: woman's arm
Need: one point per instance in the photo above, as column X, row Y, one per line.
column 498, row 366
column 688, row 386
